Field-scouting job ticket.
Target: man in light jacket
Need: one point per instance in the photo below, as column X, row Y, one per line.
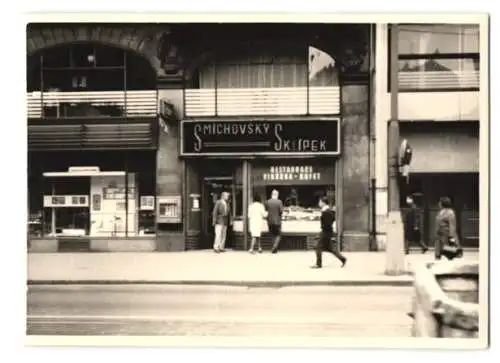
column 221, row 219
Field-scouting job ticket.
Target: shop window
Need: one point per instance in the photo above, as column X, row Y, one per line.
column 83, row 55
column 301, row 68
column 237, row 199
column 445, row 38
column 302, row 198
column 56, row 58
column 300, row 187
column 86, row 80
column 65, row 206
column 106, row 56
column 103, row 204
column 438, row 57
column 146, row 182
column 88, row 68
column 438, row 73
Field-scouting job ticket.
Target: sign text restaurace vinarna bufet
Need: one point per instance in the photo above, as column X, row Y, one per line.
column 270, row 131
column 291, row 173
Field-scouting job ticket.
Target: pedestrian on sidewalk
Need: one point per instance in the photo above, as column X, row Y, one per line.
column 221, row 219
column 256, row 218
column 274, row 207
column 412, row 225
column 325, row 238
column 447, row 241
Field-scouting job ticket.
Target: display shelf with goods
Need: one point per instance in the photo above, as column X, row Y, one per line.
column 300, row 186
column 88, row 202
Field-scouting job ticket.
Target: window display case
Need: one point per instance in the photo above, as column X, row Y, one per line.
column 35, row 224
column 300, row 185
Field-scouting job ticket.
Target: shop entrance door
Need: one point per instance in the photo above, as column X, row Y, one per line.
column 212, row 190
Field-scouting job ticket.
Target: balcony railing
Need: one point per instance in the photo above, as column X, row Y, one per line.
column 438, row 80
column 93, row 104
column 262, row 101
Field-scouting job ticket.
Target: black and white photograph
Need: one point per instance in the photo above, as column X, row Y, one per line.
column 258, row 180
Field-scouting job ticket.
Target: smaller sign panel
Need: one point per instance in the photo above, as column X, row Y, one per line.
column 195, row 202
column 147, row 202
column 291, row 173
column 67, row 201
column 96, row 202
column 84, row 169
column 295, row 174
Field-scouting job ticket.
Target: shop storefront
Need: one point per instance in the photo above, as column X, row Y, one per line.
column 94, row 194
column 110, row 163
column 92, row 141
column 246, row 158
column 445, row 163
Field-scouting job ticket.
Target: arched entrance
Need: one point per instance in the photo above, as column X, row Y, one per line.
column 89, row 79
column 92, row 139
column 143, row 41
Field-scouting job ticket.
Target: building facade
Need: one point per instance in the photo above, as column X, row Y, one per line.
column 438, row 111
column 134, row 130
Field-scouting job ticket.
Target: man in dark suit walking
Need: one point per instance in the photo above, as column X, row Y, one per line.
column 325, row 242
column 412, row 224
column 274, row 208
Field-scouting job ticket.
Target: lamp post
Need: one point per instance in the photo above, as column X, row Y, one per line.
column 395, row 255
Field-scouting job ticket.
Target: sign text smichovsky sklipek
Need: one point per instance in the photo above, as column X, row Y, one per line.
column 260, row 137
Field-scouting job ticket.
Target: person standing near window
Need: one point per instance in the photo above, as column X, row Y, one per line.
column 325, row 242
column 412, row 227
column 221, row 219
column 274, row 207
column 256, row 215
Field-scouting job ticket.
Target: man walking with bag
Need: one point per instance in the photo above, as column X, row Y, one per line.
column 325, row 242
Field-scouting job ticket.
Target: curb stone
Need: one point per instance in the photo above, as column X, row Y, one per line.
column 275, row 284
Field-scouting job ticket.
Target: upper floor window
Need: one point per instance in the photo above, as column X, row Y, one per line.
column 265, row 81
column 88, row 67
column 87, row 79
column 294, row 67
column 438, row 57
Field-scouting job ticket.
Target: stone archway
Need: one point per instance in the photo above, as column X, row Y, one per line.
column 150, row 42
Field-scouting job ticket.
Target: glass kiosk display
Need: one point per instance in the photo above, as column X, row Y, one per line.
column 109, row 209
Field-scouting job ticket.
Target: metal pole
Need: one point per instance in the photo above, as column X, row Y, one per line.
column 126, row 194
column 308, row 82
column 393, row 136
column 215, row 90
column 245, row 196
column 53, row 211
column 395, row 257
column 42, row 110
column 373, row 232
column 125, row 82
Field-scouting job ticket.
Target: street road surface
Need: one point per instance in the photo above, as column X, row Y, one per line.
column 328, row 311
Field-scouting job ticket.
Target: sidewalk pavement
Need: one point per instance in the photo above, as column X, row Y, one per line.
column 207, row 268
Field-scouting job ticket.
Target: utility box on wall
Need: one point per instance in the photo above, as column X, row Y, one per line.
column 169, row 214
column 169, row 209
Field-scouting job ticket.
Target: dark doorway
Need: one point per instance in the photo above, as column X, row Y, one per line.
column 212, row 190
